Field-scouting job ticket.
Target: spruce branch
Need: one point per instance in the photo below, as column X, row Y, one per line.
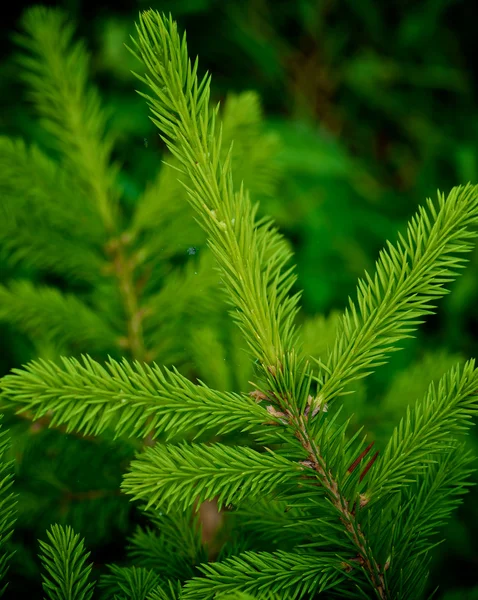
column 408, row 277
column 131, row 399
column 171, row 475
column 165, row 199
column 64, row 559
column 426, row 431
column 250, row 253
column 318, row 460
column 56, row 70
column 382, row 513
column 405, row 531
column 424, row 508
column 290, row 575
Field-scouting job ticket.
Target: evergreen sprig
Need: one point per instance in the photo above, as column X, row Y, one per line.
column 408, row 277
column 132, row 399
column 425, row 506
column 64, row 559
column 250, row 253
column 288, row 575
column 425, row 431
column 179, row 475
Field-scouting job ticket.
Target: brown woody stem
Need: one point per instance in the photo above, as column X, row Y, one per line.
column 341, row 504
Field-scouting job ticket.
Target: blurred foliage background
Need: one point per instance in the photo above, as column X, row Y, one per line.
column 375, row 108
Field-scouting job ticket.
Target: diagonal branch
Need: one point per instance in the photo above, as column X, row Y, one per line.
column 408, row 277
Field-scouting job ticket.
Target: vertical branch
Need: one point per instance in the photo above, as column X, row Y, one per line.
column 346, row 514
column 123, row 269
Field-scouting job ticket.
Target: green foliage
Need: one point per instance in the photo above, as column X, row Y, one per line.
column 64, row 214
column 7, row 508
column 173, row 548
column 71, row 481
column 200, row 472
column 407, row 278
column 64, row 560
column 259, row 293
column 426, row 430
column 36, row 229
column 283, row 454
column 134, row 400
column 287, row 575
column 129, row 582
column 170, row 591
column 123, row 283
column 61, row 318
column 56, row 69
column 425, row 506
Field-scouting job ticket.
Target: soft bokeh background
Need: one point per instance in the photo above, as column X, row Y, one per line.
column 375, row 106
